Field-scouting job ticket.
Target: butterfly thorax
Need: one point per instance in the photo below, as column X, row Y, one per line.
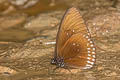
column 58, row 61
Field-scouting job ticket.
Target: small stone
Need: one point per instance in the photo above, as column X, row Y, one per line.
column 6, row 70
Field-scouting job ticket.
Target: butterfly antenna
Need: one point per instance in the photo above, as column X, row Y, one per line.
column 99, row 48
column 68, row 68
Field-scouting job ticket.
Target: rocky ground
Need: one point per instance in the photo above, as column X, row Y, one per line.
column 28, row 31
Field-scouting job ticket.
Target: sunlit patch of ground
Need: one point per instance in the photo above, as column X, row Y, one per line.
column 30, row 59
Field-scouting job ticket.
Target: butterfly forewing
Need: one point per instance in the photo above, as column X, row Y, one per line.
column 72, row 23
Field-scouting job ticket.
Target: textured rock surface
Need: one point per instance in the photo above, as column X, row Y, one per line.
column 27, row 42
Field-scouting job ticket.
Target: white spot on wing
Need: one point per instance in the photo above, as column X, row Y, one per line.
column 93, row 56
column 88, row 48
column 83, row 35
column 73, row 30
column 93, row 49
column 88, row 58
column 88, row 33
column 73, row 43
column 88, row 51
column 90, row 62
column 91, row 41
column 91, row 45
column 93, row 59
column 88, row 65
column 89, row 55
column 88, row 39
column 67, row 34
column 93, row 52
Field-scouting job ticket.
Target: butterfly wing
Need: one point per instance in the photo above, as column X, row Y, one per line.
column 73, row 41
column 71, row 24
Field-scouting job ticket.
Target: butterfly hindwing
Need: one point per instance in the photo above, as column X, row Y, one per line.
column 75, row 51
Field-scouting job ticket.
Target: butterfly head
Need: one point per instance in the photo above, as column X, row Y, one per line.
column 58, row 61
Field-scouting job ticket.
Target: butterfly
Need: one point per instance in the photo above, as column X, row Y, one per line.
column 74, row 46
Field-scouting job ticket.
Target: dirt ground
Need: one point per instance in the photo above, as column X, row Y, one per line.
column 28, row 33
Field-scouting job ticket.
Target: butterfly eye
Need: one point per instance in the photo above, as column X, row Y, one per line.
column 53, row 61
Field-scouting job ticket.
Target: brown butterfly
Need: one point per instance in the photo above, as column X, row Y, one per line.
column 74, row 47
